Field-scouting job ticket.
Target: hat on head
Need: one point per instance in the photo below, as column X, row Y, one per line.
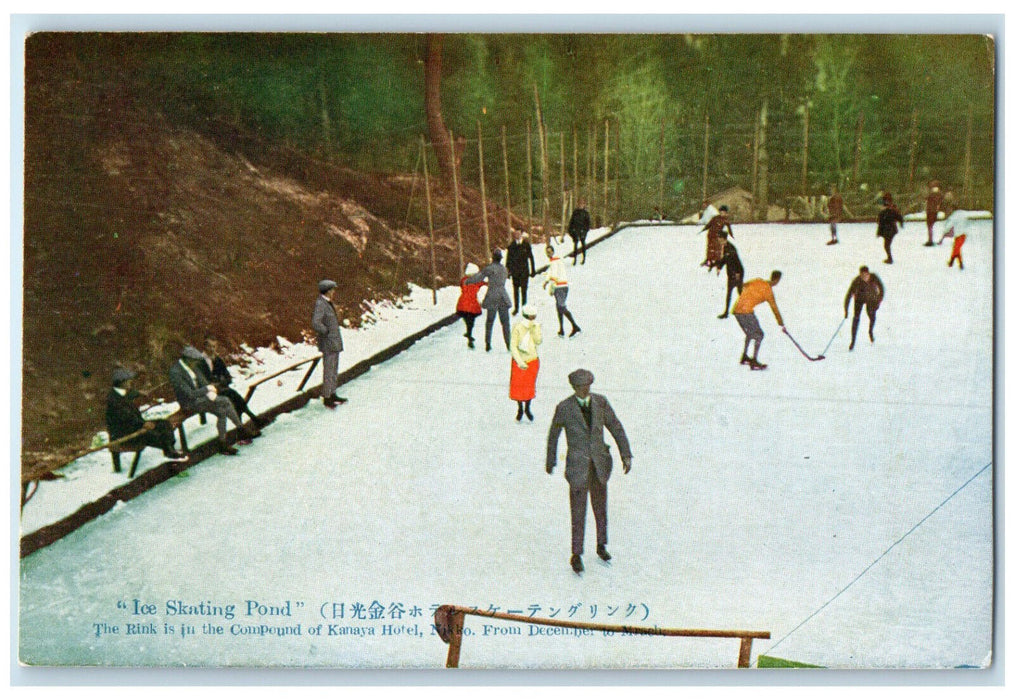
column 471, row 269
column 529, row 310
column 122, row 374
column 723, row 207
column 192, row 353
column 326, row 285
column 497, row 255
column 581, row 377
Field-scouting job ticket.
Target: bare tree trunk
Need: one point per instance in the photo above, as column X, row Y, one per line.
column 606, row 170
column 856, row 153
column 563, row 187
column 482, row 189
column 914, row 137
column 544, row 166
column 704, row 165
column 803, row 167
column 439, row 135
column 507, row 180
column 429, row 219
column 325, row 118
column 528, row 164
column 754, row 169
column 594, row 155
column 662, row 161
column 967, row 170
column 763, row 161
column 458, row 214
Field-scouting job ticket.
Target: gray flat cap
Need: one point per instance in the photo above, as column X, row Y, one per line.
column 122, row 374
column 192, row 353
column 325, row 285
column 581, row 377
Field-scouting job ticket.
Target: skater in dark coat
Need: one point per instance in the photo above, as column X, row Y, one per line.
column 718, row 229
column 582, row 416
column 734, row 275
column 521, row 265
column 835, row 209
column 889, row 222
column 578, row 227
column 755, row 292
column 496, row 302
column 123, row 418
column 868, row 291
column 468, row 302
column 222, row 379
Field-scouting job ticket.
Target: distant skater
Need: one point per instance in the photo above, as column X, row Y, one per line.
column 934, row 201
column 578, row 227
column 718, row 229
column 868, row 291
column 468, row 307
column 956, row 227
column 526, row 337
column 521, row 265
column 556, row 283
column 755, row 292
column 734, row 275
column 835, row 209
column 496, row 302
column 889, row 222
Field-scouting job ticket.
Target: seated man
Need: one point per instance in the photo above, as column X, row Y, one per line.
column 124, row 418
column 197, row 394
column 219, row 375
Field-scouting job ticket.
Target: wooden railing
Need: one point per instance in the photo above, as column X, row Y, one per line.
column 251, row 388
column 449, row 620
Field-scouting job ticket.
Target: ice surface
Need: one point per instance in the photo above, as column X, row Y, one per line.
column 843, row 505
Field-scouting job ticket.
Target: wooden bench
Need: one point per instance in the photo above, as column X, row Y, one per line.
column 175, row 420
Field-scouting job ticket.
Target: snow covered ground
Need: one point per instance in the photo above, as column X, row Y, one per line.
column 843, row 505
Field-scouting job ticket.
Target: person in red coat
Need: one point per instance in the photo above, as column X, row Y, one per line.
column 934, row 201
column 468, row 302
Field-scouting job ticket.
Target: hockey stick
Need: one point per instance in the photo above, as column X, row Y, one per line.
column 834, row 336
column 802, row 352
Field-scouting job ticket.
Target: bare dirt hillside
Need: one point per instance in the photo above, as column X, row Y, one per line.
column 142, row 235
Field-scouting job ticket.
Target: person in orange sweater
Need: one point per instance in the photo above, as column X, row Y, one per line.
column 756, row 292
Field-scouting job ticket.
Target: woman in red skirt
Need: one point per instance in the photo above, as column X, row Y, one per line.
column 525, row 339
column 468, row 303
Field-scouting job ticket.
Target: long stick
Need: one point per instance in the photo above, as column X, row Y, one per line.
column 802, row 351
column 507, row 179
column 834, row 336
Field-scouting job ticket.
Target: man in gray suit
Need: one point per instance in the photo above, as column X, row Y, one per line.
column 329, row 340
column 496, row 302
column 196, row 393
column 582, row 416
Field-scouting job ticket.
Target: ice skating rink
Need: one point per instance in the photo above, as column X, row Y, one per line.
column 844, row 505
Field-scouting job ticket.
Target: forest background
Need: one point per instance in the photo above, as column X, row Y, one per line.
column 178, row 184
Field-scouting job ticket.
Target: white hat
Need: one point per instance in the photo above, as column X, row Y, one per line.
column 471, row 269
column 529, row 311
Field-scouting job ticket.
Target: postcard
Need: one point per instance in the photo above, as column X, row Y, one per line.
column 508, row 350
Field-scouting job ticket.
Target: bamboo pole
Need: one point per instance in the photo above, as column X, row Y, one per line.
column 528, row 164
column 458, row 215
column 482, row 190
column 563, row 188
column 593, row 180
column 507, row 179
column 544, row 165
column 429, row 220
column 574, row 170
column 606, row 170
column 704, row 160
